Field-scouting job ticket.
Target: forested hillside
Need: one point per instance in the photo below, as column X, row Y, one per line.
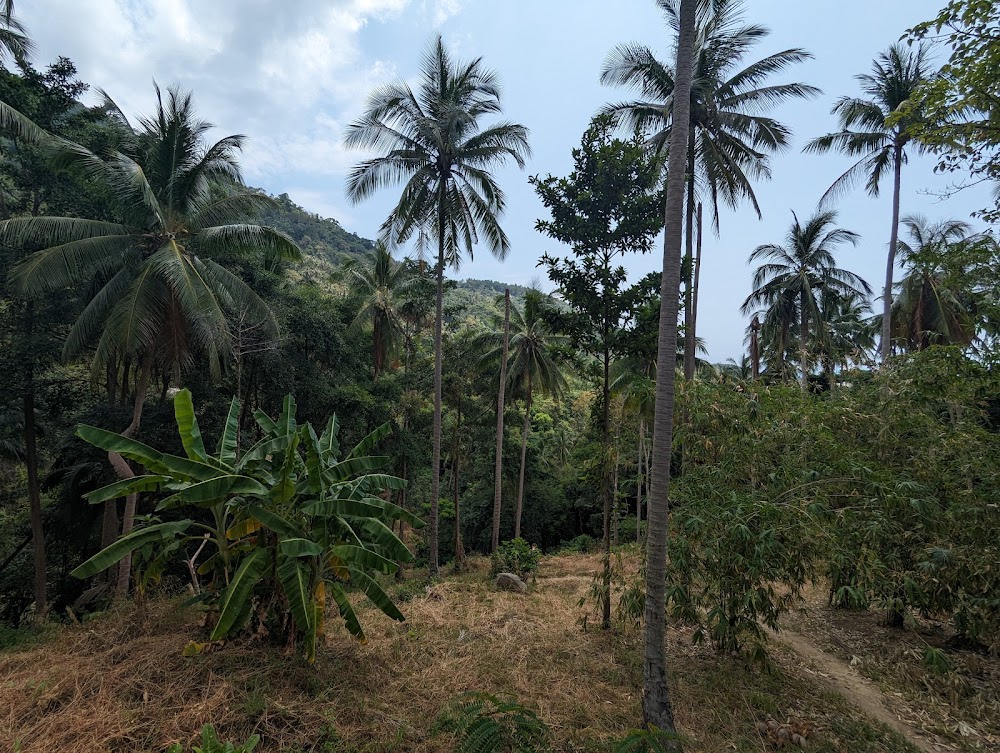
column 264, row 480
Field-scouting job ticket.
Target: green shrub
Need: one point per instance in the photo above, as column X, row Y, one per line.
column 582, row 544
column 483, row 723
column 515, row 556
column 210, row 743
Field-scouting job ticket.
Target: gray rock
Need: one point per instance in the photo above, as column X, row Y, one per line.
column 510, row 582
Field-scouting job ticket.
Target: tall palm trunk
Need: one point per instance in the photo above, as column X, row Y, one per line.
column 697, row 285
column 638, row 481
column 804, row 341
column 456, row 470
column 525, row 431
column 606, row 487
column 689, row 315
column 897, row 171
column 755, row 347
column 432, row 529
column 124, row 471
column 31, row 463
column 498, row 459
column 656, row 708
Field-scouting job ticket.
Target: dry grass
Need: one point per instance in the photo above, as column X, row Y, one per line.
column 120, row 684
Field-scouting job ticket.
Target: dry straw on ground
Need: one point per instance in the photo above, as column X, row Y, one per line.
column 120, row 683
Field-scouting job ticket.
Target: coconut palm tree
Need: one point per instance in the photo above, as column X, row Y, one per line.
column 730, row 136
column 13, row 37
column 380, row 283
column 845, row 334
column 876, row 130
column 932, row 306
column 801, row 271
column 433, row 141
column 161, row 295
column 532, row 368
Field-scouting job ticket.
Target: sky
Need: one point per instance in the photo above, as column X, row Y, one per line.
column 292, row 74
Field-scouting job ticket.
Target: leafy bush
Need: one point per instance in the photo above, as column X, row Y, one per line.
column 515, row 556
column 210, row 743
column 483, row 723
column 582, row 544
column 288, row 522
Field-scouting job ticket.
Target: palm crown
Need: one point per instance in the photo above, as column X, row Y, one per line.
column 179, row 203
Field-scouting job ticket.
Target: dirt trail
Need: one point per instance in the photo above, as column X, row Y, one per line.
column 859, row 690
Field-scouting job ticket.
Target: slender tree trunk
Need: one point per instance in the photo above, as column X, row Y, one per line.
column 498, row 458
column 525, row 431
column 432, row 529
column 897, row 170
column 614, row 495
column 688, row 266
column 638, row 481
column 456, row 468
column 697, row 284
column 378, row 346
column 606, row 486
column 124, row 471
column 804, row 342
column 656, row 708
column 31, row 463
column 755, row 347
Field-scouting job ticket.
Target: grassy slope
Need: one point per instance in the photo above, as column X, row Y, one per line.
column 121, row 684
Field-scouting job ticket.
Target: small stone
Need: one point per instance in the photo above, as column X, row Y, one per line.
column 510, row 582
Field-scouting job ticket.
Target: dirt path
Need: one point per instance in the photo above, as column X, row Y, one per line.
column 859, row 690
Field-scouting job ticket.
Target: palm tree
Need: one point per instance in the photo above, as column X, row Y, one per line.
column 532, row 368
column 730, row 137
column 801, row 271
column 433, row 140
column 845, row 333
column 379, row 284
column 876, row 130
column 160, row 296
column 13, row 38
column 657, row 711
column 635, row 381
column 932, row 306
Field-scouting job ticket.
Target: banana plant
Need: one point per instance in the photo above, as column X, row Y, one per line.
column 289, row 514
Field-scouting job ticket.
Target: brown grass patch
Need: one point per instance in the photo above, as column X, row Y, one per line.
column 119, row 683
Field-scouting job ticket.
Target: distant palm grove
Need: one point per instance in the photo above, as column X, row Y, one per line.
column 217, row 397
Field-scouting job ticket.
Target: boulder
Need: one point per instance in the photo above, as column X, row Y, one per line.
column 510, row 582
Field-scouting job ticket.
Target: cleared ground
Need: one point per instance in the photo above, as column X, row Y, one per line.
column 120, row 683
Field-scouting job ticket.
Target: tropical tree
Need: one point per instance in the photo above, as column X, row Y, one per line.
column 501, row 404
column 161, row 296
column 933, row 306
column 730, row 137
column 801, row 271
column 657, row 711
column 13, row 37
column 379, row 283
column 433, row 140
column 846, row 333
column 876, row 130
column 532, row 368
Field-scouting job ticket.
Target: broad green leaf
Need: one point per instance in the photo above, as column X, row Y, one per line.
column 216, row 489
column 367, row 444
column 377, row 482
column 226, row 451
column 275, row 522
column 375, row 593
column 328, row 442
column 357, row 555
column 265, row 422
column 270, row 446
column 286, row 423
column 243, row 527
column 235, row 599
column 124, row 446
column 347, row 612
column 353, row 466
column 299, row 547
column 137, row 539
column 395, row 512
column 382, row 535
column 330, row 507
column 295, row 577
column 187, row 426
column 124, row 487
column 314, row 459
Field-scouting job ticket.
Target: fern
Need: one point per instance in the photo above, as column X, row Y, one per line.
column 483, row 723
column 647, row 741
